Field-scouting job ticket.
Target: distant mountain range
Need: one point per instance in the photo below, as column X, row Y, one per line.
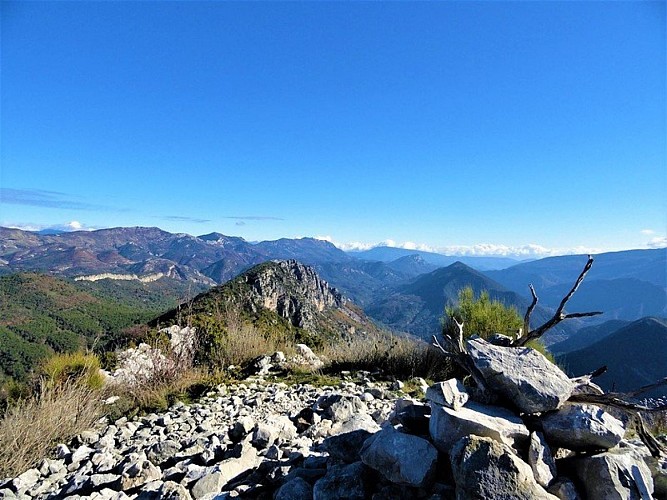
column 389, row 254
column 405, row 290
column 418, row 305
column 634, row 354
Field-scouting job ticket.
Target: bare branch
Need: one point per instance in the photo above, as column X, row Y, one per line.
column 529, row 311
column 558, row 315
column 648, row 387
column 459, row 335
column 657, row 450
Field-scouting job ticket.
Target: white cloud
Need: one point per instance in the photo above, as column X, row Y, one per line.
column 647, row 232
column 658, row 242
column 68, row 226
column 528, row 251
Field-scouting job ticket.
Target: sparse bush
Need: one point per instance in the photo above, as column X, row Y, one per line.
column 31, row 427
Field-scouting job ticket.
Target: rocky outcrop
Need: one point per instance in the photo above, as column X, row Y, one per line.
column 279, row 292
column 357, row 440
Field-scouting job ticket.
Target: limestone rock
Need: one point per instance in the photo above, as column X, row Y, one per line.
column 447, row 426
column 342, row 481
column 450, row 393
column 582, row 427
column 541, row 460
column 401, row 458
column 137, row 473
column 616, row 474
column 347, row 446
column 486, row 469
column 522, row 375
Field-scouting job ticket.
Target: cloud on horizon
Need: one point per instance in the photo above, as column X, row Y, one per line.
column 657, row 242
column 47, row 199
column 66, row 227
column 480, row 250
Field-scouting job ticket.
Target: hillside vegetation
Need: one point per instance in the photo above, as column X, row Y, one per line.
column 41, row 315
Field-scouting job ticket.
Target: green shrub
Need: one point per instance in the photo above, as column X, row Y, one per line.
column 482, row 316
column 60, row 368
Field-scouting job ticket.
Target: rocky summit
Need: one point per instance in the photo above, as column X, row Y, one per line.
column 360, row 439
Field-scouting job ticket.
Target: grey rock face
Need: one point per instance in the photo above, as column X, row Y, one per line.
column 447, row 426
column 401, row 458
column 346, row 447
column 614, row 475
column 450, row 393
column 563, row 489
column 541, row 460
column 294, row 489
column 582, row 427
column 522, row 375
column 486, row 469
column 342, row 481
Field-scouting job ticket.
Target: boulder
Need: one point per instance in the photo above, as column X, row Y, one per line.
column 26, row 480
column 487, row 469
column 227, row 470
column 343, row 481
column 447, row 426
column 582, row 427
column 563, row 489
column 450, row 393
column 361, row 421
column 162, row 451
column 541, row 460
column 401, row 458
column 347, row 446
column 616, row 474
column 308, row 356
column 414, row 418
column 522, row 375
column 294, row 489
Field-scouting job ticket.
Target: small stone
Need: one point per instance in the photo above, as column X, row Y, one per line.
column 450, row 393
column 62, row 451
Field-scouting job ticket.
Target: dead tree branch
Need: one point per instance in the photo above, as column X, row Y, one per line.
column 456, row 350
column 620, row 401
column 529, row 311
column 558, row 316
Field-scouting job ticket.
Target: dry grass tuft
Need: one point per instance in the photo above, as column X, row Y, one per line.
column 240, row 347
column 32, row 427
column 400, row 357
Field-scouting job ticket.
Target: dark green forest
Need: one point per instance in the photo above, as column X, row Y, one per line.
column 40, row 315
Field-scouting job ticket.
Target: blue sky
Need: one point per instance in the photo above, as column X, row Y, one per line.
column 490, row 127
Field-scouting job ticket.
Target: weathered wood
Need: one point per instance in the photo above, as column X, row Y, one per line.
column 558, row 316
column 529, row 311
